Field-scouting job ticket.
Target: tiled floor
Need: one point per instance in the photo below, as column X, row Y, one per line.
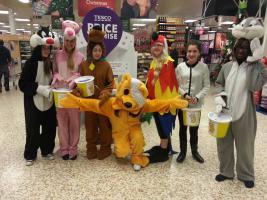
column 110, row 179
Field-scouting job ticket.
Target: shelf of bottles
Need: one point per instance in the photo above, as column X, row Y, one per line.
column 174, row 30
column 25, row 51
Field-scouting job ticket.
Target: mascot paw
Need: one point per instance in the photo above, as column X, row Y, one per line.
column 137, row 167
column 69, row 101
column 178, row 103
column 104, row 96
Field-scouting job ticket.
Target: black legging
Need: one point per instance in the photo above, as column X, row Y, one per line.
column 183, row 134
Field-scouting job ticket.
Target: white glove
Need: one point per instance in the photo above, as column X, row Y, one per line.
column 44, row 90
column 256, row 49
column 219, row 104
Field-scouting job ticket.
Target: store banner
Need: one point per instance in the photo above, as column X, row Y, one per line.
column 56, row 9
column 84, row 6
column 110, row 23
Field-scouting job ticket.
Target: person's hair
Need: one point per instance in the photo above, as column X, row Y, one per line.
column 194, row 43
column 1, row 42
column 90, row 47
column 47, row 65
column 238, row 43
column 37, row 55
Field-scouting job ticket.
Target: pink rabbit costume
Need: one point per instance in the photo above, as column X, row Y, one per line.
column 68, row 118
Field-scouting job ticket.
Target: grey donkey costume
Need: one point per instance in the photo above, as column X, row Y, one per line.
column 244, row 125
column 239, row 81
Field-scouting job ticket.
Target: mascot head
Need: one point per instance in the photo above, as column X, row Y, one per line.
column 131, row 94
column 249, row 28
column 44, row 36
column 70, row 29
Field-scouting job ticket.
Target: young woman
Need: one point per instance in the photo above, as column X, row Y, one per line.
column 98, row 126
column 161, row 84
column 194, row 84
column 40, row 114
column 66, row 69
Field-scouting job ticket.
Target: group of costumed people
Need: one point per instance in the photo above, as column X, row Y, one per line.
column 116, row 118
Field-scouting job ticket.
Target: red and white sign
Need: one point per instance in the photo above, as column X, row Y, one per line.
column 84, row 6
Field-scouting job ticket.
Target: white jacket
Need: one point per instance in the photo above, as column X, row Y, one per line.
column 194, row 81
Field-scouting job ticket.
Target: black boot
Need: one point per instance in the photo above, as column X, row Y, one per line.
column 160, row 156
column 181, row 157
column 182, row 154
column 197, row 157
column 153, row 150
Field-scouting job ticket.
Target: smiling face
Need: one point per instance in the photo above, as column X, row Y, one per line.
column 192, row 54
column 242, row 50
column 157, row 49
column 69, row 44
column 97, row 52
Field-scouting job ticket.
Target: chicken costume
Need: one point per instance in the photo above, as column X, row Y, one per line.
column 124, row 112
column 162, row 84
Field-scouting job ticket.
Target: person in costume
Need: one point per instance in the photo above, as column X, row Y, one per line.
column 194, row 84
column 161, row 84
column 39, row 108
column 124, row 111
column 238, row 80
column 98, row 126
column 66, row 69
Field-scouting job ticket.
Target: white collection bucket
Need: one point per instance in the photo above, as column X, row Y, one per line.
column 191, row 116
column 59, row 94
column 219, row 124
column 86, row 84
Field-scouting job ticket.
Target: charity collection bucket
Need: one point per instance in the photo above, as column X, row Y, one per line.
column 59, row 94
column 191, row 116
column 219, row 124
column 86, row 84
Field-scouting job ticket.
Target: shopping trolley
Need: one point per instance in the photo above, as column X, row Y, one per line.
column 14, row 74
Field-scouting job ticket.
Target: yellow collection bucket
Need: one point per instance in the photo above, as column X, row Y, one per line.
column 86, row 84
column 191, row 116
column 219, row 124
column 59, row 94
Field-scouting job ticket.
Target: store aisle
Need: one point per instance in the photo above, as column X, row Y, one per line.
column 111, row 179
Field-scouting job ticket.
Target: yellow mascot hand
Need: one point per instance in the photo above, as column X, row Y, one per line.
column 178, row 103
column 69, row 101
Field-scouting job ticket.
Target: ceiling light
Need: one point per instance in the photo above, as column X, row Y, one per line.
column 22, row 20
column 24, row 1
column 20, row 29
column 227, row 23
column 139, row 24
column 1, row 23
column 3, row 30
column 212, row 31
column 206, row 27
column 190, row 20
column 4, row 12
column 6, row 26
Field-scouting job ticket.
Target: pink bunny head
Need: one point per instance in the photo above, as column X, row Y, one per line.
column 70, row 29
